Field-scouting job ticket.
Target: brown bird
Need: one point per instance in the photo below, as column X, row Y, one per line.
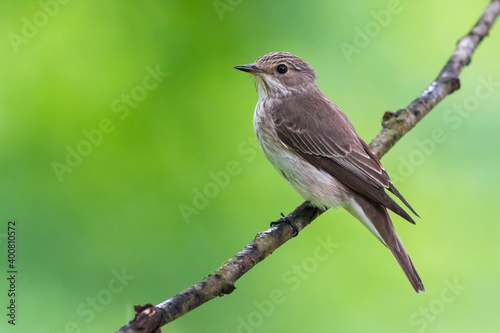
column 314, row 146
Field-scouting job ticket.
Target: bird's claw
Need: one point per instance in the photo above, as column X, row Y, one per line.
column 287, row 220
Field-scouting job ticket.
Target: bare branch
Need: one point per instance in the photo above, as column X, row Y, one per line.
column 395, row 125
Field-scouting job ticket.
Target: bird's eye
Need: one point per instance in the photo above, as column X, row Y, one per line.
column 282, row 69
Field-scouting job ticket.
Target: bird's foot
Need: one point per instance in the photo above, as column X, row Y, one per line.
column 288, row 220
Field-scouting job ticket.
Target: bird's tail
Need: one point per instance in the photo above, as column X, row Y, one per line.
column 376, row 218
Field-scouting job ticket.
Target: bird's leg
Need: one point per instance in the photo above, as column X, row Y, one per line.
column 295, row 219
column 289, row 219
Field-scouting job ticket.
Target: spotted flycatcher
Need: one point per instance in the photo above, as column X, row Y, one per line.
column 311, row 143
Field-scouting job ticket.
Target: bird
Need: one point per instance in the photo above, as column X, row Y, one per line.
column 314, row 146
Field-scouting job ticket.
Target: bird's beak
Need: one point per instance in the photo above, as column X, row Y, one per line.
column 249, row 68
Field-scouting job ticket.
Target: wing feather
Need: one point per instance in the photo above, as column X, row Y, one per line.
column 320, row 133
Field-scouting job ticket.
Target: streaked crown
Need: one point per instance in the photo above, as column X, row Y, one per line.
column 278, row 74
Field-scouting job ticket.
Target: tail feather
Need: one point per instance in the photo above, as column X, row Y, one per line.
column 398, row 251
column 376, row 218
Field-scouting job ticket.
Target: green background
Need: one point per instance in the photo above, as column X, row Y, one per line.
column 118, row 209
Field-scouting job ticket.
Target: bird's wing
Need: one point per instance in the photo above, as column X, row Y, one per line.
column 320, row 132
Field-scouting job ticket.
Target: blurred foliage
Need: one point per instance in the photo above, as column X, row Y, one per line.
column 77, row 77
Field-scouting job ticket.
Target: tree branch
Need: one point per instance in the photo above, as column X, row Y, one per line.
column 150, row 318
column 395, row 125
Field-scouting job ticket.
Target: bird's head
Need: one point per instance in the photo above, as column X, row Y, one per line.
column 279, row 74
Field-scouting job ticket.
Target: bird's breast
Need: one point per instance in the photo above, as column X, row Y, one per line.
column 315, row 185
